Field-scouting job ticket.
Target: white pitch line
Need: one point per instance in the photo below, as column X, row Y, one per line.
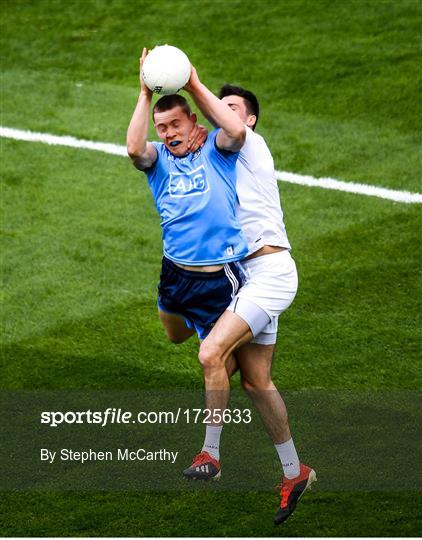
column 62, row 140
column 350, row 187
column 303, row 180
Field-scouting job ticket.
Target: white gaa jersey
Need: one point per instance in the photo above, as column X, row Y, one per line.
column 259, row 210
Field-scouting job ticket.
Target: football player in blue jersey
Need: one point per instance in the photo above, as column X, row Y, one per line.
column 195, row 195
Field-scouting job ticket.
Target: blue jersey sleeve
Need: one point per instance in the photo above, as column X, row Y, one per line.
column 158, row 146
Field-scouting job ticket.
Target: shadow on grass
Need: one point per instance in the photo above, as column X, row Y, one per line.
column 121, row 348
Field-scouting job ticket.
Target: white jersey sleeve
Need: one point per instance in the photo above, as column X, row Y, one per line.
column 259, row 210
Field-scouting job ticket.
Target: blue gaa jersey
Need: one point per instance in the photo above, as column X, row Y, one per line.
column 195, row 196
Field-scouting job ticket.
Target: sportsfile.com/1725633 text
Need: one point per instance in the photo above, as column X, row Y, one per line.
column 114, row 415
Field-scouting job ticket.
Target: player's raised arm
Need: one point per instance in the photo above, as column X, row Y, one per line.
column 232, row 134
column 142, row 153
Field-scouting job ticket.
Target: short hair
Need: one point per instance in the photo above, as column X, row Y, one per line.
column 166, row 103
column 251, row 102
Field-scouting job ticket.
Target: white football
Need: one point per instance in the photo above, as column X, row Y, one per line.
column 166, row 70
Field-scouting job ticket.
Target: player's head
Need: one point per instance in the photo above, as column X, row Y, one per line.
column 243, row 102
column 173, row 122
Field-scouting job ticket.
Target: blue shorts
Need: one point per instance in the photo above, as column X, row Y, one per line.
column 199, row 297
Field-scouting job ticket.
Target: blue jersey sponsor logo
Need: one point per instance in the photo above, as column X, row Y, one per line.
column 187, row 184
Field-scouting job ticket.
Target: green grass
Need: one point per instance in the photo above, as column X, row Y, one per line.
column 339, row 89
column 124, row 514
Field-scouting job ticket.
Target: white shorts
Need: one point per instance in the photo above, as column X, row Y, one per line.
column 269, row 289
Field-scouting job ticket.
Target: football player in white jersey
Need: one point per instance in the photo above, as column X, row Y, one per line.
column 248, row 328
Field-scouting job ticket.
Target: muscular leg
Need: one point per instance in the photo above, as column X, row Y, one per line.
column 232, row 365
column 255, row 362
column 229, row 332
column 175, row 327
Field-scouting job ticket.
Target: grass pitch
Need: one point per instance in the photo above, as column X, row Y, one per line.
column 81, row 249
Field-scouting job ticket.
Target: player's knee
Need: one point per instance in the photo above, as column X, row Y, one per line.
column 253, row 386
column 209, row 356
column 247, row 386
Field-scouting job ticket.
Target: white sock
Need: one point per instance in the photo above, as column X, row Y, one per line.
column 289, row 459
column 212, row 441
